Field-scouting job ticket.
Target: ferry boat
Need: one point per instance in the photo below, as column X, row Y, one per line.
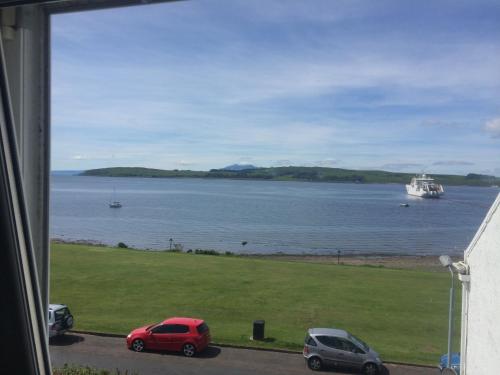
column 425, row 187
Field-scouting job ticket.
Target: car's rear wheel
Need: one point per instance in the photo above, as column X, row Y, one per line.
column 188, row 350
column 370, row 369
column 138, row 345
column 314, row 363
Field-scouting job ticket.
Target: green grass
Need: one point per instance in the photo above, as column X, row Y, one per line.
column 403, row 314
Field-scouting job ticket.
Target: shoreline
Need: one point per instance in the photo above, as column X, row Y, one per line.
column 403, row 183
column 395, row 260
column 400, row 261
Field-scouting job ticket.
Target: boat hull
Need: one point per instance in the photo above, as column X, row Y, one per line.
column 423, row 193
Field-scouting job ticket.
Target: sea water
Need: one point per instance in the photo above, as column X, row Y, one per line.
column 251, row 216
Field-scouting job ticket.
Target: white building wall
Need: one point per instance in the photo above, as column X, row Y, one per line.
column 480, row 349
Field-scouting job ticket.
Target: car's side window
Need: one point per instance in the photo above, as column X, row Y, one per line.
column 347, row 346
column 310, row 341
column 161, row 329
column 336, row 343
column 330, row 341
column 323, row 340
column 179, row 328
column 171, row 328
column 60, row 314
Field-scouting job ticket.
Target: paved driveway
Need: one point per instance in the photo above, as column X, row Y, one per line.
column 111, row 353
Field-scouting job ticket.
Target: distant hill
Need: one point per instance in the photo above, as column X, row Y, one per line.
column 316, row 174
column 239, row 167
column 66, row 173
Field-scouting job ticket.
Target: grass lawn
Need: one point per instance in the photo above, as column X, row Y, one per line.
column 403, row 314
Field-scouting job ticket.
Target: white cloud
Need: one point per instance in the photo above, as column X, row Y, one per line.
column 185, row 163
column 401, row 166
column 281, row 163
column 329, row 162
column 453, row 163
column 493, row 127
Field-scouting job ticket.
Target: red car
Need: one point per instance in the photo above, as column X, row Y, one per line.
column 185, row 335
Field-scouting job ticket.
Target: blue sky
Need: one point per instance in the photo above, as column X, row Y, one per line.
column 395, row 85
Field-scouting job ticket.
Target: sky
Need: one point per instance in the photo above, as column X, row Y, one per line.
column 395, row 85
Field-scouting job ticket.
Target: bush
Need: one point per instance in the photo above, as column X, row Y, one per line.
column 206, row 252
column 122, row 245
column 178, row 248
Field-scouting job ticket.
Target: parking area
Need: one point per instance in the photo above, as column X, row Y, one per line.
column 111, row 353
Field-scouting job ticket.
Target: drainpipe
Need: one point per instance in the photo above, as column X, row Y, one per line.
column 465, row 279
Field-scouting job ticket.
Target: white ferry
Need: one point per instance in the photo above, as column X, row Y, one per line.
column 425, row 187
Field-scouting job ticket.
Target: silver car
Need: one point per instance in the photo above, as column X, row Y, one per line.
column 336, row 347
column 60, row 320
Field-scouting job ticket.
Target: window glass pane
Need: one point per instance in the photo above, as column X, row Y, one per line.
column 60, row 314
column 161, row 329
column 329, row 341
column 323, row 339
column 359, row 342
column 346, row 345
column 336, row 343
column 310, row 341
column 172, row 328
column 202, row 328
column 179, row 328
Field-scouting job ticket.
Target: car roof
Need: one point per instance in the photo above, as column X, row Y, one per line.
column 184, row 321
column 328, row 332
column 55, row 306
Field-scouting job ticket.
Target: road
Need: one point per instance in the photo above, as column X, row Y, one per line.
column 111, row 353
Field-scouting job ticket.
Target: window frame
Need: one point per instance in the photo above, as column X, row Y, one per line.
column 25, row 174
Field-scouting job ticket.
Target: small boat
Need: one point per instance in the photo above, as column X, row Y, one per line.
column 114, row 203
column 425, row 187
column 404, row 205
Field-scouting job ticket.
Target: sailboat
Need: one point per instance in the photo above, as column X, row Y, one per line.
column 114, row 203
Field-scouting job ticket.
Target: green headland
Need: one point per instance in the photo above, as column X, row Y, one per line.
column 316, row 174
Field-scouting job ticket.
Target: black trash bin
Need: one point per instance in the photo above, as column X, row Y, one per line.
column 258, row 329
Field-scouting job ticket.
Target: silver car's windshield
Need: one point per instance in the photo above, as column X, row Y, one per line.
column 359, row 342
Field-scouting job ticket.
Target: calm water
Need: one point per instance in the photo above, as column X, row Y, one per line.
column 288, row 217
